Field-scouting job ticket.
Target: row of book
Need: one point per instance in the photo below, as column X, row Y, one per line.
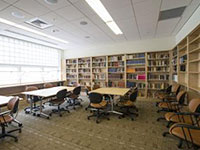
column 101, row 84
column 183, row 59
column 71, row 76
column 116, row 58
column 120, row 84
column 80, row 70
column 136, row 62
column 134, row 70
column 84, row 76
column 158, row 63
column 183, row 68
column 157, row 86
column 97, row 70
column 158, row 77
column 158, row 69
column 71, row 61
column 115, row 76
column 98, row 60
column 136, row 76
column 82, row 61
column 99, row 76
column 84, row 65
column 158, row 56
column 174, row 61
column 116, row 64
column 70, row 70
column 135, row 84
column 115, row 70
column 102, row 64
column 132, row 56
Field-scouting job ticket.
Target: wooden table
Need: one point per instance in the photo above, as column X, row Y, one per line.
column 46, row 93
column 112, row 91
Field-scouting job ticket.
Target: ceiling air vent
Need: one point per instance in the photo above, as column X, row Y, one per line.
column 39, row 23
column 171, row 13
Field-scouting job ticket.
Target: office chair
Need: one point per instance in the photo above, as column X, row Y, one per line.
column 87, row 90
column 32, row 100
column 60, row 99
column 173, row 105
column 7, row 117
column 167, row 96
column 48, row 85
column 74, row 99
column 192, row 117
column 129, row 104
column 97, row 102
column 188, row 133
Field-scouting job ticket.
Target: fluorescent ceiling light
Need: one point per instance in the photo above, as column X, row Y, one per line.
column 99, row 8
column 31, row 30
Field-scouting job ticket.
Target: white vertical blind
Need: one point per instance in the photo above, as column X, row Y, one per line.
column 25, row 62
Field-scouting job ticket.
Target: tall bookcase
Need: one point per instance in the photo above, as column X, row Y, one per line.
column 174, row 65
column 71, row 71
column 158, row 71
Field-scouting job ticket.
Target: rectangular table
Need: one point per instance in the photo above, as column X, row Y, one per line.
column 4, row 100
column 112, row 91
column 46, row 93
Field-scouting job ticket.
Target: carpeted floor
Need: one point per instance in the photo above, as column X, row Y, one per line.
column 74, row 132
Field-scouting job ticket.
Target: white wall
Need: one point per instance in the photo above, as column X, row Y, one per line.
column 193, row 21
column 125, row 47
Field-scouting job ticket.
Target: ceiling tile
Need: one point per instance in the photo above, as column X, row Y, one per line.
column 115, row 4
column 53, row 18
column 166, row 27
column 3, row 5
column 32, row 7
column 74, row 1
column 170, row 4
column 7, row 14
column 70, row 13
column 138, row 1
column 59, row 4
column 11, row 1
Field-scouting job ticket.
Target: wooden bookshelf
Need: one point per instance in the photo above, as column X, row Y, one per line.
column 157, row 71
column 194, row 60
column 84, row 71
column 71, row 71
column 174, row 65
column 136, row 72
column 116, row 71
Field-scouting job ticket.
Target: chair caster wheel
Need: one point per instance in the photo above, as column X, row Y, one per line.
column 60, row 115
column 97, row 121
column 132, row 119
column 120, row 117
column 20, row 131
column 88, row 118
column 74, row 108
column 38, row 115
column 165, row 133
column 20, row 125
column 50, row 114
column 68, row 111
column 86, row 109
column 48, row 117
column 108, row 118
column 34, row 114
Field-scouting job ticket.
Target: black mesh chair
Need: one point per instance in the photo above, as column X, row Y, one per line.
column 99, row 105
column 7, row 117
column 60, row 99
column 74, row 99
column 128, row 105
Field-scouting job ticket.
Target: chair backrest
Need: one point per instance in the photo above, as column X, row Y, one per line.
column 177, row 89
column 134, row 95
column 181, row 97
column 77, row 90
column 31, row 88
column 194, row 105
column 95, row 98
column 61, row 95
column 13, row 105
column 48, row 85
column 169, row 89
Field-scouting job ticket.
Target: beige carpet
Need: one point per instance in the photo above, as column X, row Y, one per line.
column 74, row 132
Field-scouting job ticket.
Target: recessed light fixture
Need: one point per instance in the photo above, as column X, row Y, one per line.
column 2, row 20
column 17, row 15
column 55, row 30
column 83, row 23
column 87, row 37
column 99, row 8
column 51, row 1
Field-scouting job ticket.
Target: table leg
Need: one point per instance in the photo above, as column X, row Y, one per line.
column 112, row 107
column 41, row 113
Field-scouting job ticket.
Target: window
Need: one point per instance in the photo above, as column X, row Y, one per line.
column 24, row 62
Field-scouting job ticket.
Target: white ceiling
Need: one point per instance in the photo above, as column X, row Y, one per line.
column 138, row 20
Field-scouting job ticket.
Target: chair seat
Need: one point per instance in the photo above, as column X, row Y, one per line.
column 56, row 101
column 167, row 105
column 127, row 103
column 99, row 105
column 6, row 119
column 73, row 96
column 177, row 131
column 178, row 118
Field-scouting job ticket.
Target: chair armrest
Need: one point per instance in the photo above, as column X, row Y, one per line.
column 5, row 112
column 186, row 126
column 187, row 113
